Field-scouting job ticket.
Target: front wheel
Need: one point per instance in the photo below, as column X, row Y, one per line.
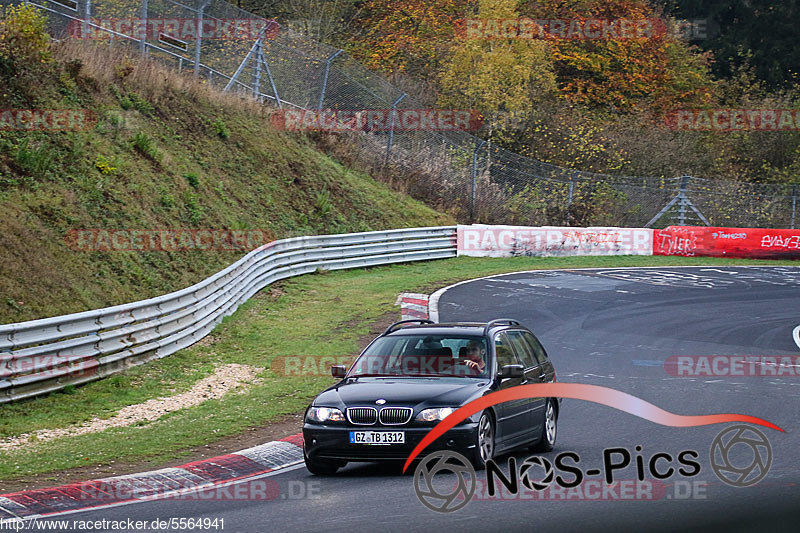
column 320, row 468
column 547, row 440
column 484, row 445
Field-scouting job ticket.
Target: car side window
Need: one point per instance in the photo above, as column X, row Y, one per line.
column 524, row 351
column 536, row 346
column 505, row 355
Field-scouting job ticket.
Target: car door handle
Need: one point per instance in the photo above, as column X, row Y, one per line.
column 542, row 376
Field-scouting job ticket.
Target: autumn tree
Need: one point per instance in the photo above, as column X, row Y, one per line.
column 501, row 77
column 410, row 36
column 616, row 70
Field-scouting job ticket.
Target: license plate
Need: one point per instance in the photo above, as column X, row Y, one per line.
column 377, row 437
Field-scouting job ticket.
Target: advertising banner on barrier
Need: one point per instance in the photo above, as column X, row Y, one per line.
column 754, row 243
column 499, row 241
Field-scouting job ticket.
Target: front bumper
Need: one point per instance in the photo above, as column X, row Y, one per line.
column 331, row 442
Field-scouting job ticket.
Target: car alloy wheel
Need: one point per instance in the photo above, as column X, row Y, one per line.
column 485, row 449
column 550, row 428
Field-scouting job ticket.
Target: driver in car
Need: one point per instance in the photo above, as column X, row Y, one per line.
column 474, row 356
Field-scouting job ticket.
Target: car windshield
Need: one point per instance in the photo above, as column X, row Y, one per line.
column 424, row 355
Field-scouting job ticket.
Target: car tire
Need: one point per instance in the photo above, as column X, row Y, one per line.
column 484, row 441
column 322, row 468
column 547, row 440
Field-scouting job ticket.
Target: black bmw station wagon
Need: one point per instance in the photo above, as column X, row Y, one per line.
column 414, row 375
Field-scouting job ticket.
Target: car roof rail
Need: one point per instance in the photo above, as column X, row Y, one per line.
column 396, row 325
column 499, row 322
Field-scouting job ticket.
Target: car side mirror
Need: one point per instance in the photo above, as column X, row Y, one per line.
column 511, row 371
column 339, row 371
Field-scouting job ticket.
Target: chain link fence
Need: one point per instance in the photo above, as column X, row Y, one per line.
column 473, row 179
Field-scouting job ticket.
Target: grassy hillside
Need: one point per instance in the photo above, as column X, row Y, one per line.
column 165, row 152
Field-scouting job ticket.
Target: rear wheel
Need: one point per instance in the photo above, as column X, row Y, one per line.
column 547, row 441
column 484, row 445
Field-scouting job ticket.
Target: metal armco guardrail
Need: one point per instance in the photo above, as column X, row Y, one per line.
column 41, row 356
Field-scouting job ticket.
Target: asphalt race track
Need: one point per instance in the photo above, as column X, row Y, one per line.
column 614, row 328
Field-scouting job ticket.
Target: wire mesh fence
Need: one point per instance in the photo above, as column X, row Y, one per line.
column 473, row 179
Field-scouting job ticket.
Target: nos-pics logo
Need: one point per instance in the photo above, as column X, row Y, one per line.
column 448, row 493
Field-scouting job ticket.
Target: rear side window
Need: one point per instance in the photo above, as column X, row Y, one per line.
column 505, row 355
column 524, row 351
column 536, row 346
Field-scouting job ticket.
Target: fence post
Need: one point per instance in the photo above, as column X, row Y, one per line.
column 391, row 129
column 88, row 18
column 325, row 78
column 570, row 197
column 474, row 179
column 240, row 69
column 794, row 203
column 682, row 205
column 269, row 76
column 199, row 40
column 257, row 74
column 143, row 29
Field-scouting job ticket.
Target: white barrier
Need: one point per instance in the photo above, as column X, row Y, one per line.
column 479, row 240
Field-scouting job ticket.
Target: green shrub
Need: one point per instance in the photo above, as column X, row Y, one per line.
column 140, row 104
column 145, row 145
column 193, row 180
column 323, row 203
column 221, row 129
column 35, row 161
column 167, row 200
column 193, row 207
column 104, row 165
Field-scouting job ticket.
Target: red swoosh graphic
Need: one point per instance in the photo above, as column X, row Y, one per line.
column 578, row 391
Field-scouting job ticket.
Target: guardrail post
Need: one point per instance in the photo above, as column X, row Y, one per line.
column 794, row 203
column 325, row 78
column 391, row 129
column 474, row 180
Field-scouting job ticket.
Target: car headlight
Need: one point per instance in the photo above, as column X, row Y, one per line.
column 324, row 414
column 435, row 415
